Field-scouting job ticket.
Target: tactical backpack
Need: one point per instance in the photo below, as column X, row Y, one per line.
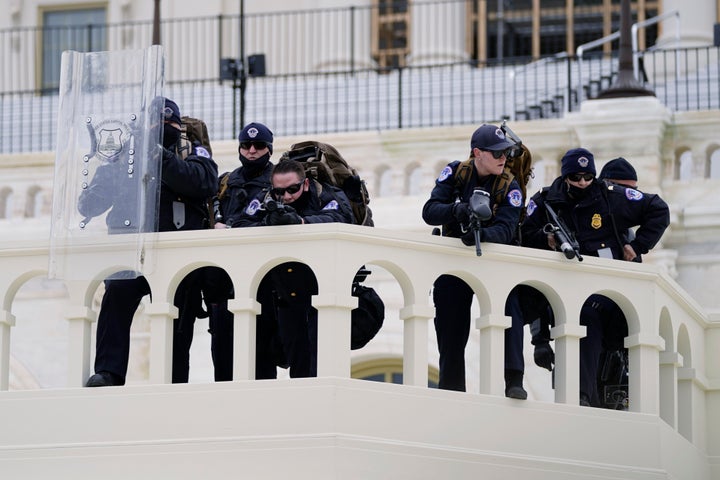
column 193, row 131
column 324, row 163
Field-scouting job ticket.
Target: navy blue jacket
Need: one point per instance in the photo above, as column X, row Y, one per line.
column 500, row 228
column 323, row 203
column 241, row 202
column 600, row 219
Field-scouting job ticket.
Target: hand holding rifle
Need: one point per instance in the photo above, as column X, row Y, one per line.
column 564, row 239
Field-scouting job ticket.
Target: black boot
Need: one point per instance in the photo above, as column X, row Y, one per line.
column 513, row 385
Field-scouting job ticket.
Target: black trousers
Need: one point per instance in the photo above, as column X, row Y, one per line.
column 213, row 287
column 119, row 303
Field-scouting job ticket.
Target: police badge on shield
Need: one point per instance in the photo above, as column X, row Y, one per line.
column 108, row 139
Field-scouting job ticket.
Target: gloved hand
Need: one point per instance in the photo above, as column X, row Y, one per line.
column 286, row 216
column 461, row 212
column 468, row 238
column 544, row 356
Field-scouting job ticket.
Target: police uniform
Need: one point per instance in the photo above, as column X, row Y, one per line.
column 452, row 296
column 185, row 187
column 294, row 283
column 240, row 206
column 598, row 216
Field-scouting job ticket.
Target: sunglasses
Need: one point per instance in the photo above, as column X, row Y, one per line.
column 497, row 153
column 292, row 189
column 257, row 145
column 576, row 177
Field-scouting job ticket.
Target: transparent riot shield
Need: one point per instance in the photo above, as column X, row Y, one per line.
column 107, row 165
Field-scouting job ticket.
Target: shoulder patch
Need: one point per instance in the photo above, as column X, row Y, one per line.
column 531, row 208
column 331, row 205
column 253, row 207
column 202, row 152
column 634, row 195
column 446, row 172
column 515, row 197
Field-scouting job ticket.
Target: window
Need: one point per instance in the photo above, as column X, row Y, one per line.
column 389, row 370
column 391, row 33
column 82, row 30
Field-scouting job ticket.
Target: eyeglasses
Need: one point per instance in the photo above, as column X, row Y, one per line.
column 292, row 189
column 257, row 145
column 497, row 153
column 576, row 177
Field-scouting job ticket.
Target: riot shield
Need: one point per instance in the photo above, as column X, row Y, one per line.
column 107, row 165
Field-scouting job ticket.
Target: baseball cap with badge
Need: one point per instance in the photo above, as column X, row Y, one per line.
column 490, row 137
column 172, row 112
column 577, row 160
column 257, row 132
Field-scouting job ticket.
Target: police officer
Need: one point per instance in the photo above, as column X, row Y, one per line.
column 448, row 206
column 598, row 214
column 300, row 200
column 238, row 202
column 186, row 185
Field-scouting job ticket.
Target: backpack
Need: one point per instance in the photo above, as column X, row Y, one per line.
column 324, row 163
column 193, row 131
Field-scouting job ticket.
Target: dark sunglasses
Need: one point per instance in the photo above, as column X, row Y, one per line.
column 292, row 189
column 497, row 153
column 257, row 145
column 576, row 177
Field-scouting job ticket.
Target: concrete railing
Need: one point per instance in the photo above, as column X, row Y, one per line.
column 669, row 335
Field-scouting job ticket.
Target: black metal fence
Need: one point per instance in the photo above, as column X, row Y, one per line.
column 449, row 94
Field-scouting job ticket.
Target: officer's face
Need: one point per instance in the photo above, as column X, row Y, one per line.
column 580, row 180
column 253, row 150
column 290, row 185
column 486, row 163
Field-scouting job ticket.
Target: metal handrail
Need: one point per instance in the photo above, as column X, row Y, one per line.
column 653, row 21
column 580, row 50
column 524, row 68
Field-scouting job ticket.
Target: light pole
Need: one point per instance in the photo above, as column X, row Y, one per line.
column 626, row 84
column 156, row 24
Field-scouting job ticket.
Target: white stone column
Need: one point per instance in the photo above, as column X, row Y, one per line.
column 7, row 320
column 567, row 360
column 437, row 33
column 245, row 313
column 696, row 23
column 415, row 343
column 79, row 349
column 161, row 315
column 669, row 363
column 333, row 342
column 644, row 358
column 492, row 353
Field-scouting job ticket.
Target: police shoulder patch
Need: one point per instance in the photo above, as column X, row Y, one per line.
column 446, row 172
column 633, row 194
column 331, row 205
column 202, row 152
column 253, row 207
column 515, row 197
column 531, row 208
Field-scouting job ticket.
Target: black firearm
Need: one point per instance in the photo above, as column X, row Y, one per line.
column 569, row 246
column 479, row 212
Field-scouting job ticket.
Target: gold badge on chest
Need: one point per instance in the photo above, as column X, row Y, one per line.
column 596, row 222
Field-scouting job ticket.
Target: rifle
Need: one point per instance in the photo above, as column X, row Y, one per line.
column 563, row 237
column 479, row 212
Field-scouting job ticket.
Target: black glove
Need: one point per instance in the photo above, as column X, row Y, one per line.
column 285, row 216
column 461, row 212
column 468, row 238
column 544, row 356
